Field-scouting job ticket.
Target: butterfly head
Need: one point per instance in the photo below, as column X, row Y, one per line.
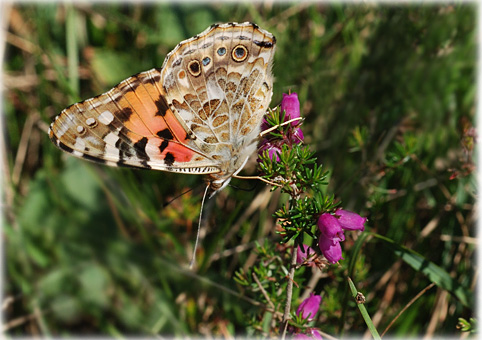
column 218, row 184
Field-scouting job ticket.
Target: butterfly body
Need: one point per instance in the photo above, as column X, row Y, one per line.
column 199, row 114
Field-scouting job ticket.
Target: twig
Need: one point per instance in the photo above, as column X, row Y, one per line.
column 257, row 177
column 289, row 294
column 264, row 132
column 408, row 305
column 22, row 148
column 255, row 277
column 20, row 320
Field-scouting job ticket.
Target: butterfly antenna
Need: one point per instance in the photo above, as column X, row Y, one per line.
column 198, row 228
column 175, row 198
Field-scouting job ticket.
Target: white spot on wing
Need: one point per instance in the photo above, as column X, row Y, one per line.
column 106, row 117
column 90, row 121
column 62, row 130
column 79, row 144
column 110, row 148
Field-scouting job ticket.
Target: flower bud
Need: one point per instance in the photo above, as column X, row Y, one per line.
column 331, row 249
column 291, row 105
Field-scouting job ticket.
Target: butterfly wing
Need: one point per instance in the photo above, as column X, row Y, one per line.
column 197, row 114
column 131, row 125
column 220, row 84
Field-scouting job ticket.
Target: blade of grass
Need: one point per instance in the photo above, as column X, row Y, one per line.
column 433, row 272
column 72, row 48
column 351, row 268
column 363, row 311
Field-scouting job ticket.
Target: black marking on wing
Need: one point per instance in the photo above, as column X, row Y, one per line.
column 266, row 44
column 162, row 107
column 65, row 147
column 177, row 62
column 165, row 134
column 93, row 159
column 140, row 147
column 125, row 114
column 169, row 159
column 163, row 145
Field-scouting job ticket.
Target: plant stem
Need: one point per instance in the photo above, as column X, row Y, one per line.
column 289, row 294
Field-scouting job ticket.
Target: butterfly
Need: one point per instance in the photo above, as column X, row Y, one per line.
column 200, row 113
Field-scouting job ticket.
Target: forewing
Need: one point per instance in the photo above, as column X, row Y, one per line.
column 131, row 125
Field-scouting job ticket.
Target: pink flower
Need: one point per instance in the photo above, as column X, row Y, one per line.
column 330, row 227
column 330, row 248
column 309, row 307
column 303, row 253
column 273, row 150
column 291, row 105
column 350, row 220
column 290, row 135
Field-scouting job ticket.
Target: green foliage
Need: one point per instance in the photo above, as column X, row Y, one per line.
column 388, row 101
column 467, row 326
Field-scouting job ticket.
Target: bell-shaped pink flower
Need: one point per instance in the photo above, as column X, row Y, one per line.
column 330, row 227
column 309, row 307
column 330, row 248
column 273, row 150
column 349, row 220
column 303, row 253
column 291, row 105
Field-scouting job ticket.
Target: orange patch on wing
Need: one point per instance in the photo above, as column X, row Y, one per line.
column 176, row 128
column 135, row 123
column 143, row 101
column 143, row 104
column 181, row 153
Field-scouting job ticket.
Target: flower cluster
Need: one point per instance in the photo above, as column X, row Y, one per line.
column 290, row 105
column 284, row 159
column 332, row 231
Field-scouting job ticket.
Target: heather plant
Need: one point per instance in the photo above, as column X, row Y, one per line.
column 386, row 132
column 310, row 212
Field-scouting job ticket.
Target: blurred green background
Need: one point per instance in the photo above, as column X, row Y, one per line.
column 388, row 93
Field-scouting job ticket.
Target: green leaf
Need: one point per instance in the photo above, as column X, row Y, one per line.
column 433, row 272
column 363, row 311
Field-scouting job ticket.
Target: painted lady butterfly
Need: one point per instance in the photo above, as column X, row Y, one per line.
column 199, row 114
